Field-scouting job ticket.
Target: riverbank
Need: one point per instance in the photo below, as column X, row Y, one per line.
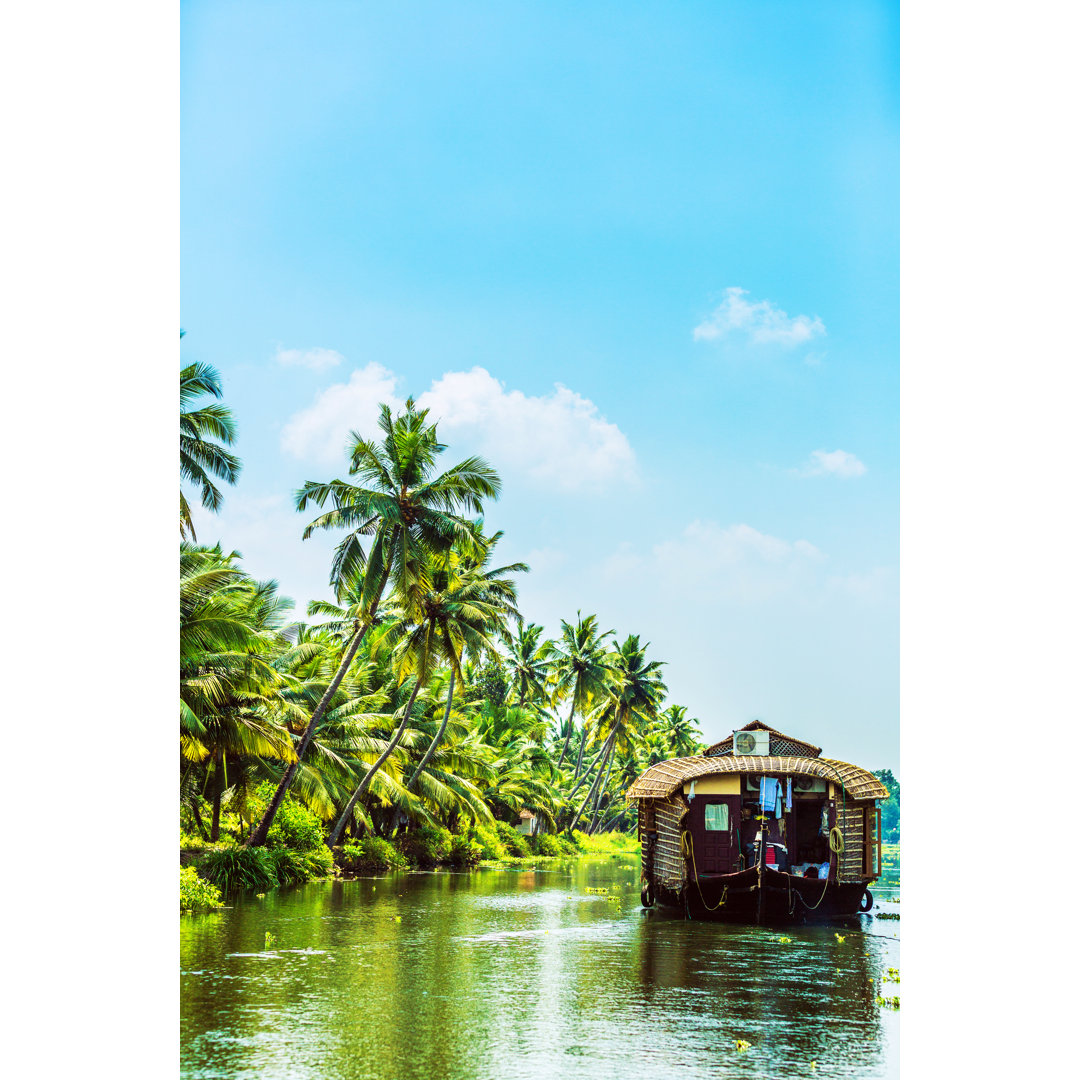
column 211, row 872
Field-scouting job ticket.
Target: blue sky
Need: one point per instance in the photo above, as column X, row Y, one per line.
column 643, row 257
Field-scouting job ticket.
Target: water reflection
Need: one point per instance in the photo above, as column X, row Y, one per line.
column 522, row 974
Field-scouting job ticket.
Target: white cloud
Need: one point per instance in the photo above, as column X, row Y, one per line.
column 734, row 563
column 559, row 439
column 320, row 432
column 833, row 463
column 759, row 321
column 317, row 359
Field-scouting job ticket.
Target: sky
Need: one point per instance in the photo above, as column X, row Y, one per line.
column 642, row 257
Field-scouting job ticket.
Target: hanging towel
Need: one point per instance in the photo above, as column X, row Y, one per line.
column 787, row 801
column 770, row 791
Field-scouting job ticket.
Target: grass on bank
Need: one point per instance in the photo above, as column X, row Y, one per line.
column 295, row 853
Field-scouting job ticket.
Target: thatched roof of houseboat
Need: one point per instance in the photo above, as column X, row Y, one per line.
column 662, row 779
column 783, row 745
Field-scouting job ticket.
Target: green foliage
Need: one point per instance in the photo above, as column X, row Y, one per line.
column 491, row 844
column 197, row 895
column 545, row 844
column 371, row 855
column 464, row 852
column 515, row 843
column 296, row 867
column 233, row 868
column 427, row 846
column 491, row 683
column 890, row 808
column 295, row 827
column 611, row 843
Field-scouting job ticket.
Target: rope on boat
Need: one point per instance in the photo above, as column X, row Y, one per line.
column 687, row 845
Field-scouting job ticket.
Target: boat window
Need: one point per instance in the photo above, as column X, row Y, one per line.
column 716, row 817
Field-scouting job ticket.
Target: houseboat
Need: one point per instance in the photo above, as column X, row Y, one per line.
column 760, row 828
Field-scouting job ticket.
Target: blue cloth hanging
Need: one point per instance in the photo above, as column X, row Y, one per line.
column 787, row 801
column 770, row 791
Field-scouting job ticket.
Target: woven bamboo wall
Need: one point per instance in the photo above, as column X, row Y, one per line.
column 669, row 863
column 850, row 819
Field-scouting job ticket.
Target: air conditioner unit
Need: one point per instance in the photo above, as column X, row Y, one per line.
column 809, row 783
column 750, row 742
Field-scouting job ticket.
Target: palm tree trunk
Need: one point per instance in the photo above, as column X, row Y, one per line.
column 339, row 828
column 198, row 820
column 566, row 743
column 608, row 742
column 215, row 821
column 585, row 774
column 258, row 836
column 601, row 789
column 430, row 752
column 580, row 752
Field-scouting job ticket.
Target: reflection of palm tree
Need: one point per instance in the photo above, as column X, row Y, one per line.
column 200, row 455
column 408, row 512
column 580, row 671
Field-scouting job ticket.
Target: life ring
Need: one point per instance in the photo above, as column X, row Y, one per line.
column 867, row 901
column 647, row 899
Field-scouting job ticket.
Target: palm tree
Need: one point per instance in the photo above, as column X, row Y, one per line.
column 680, row 732
column 580, row 670
column 200, row 456
column 454, row 605
column 529, row 663
column 408, row 512
column 632, row 703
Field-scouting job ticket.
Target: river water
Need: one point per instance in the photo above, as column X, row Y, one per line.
column 508, row 974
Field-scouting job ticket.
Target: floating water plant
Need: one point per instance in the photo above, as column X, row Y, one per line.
column 785, row 941
column 271, row 939
column 889, row 1002
column 596, row 892
column 888, row 914
column 841, row 938
column 741, row 1045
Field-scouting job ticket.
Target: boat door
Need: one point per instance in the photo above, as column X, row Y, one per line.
column 714, row 825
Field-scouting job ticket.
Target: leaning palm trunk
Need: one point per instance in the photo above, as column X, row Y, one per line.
column 258, row 835
column 601, row 789
column 608, row 743
column 430, row 753
column 566, row 741
column 335, row 837
column 584, row 776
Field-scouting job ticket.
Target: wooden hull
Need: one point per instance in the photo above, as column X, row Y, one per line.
column 788, row 899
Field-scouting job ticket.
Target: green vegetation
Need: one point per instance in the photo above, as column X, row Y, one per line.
column 890, row 809
column 195, row 894
column 417, row 715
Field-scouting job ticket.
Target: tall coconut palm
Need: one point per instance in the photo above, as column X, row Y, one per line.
column 408, row 512
column 452, row 606
column 633, row 701
column 529, row 663
column 200, row 455
column 680, row 731
column 580, row 671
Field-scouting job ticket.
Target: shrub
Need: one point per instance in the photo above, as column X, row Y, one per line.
column 372, row 855
column 545, row 844
column 196, row 894
column 427, row 846
column 232, row 868
column 491, row 846
column 566, row 845
column 615, row 844
column 464, row 852
column 296, row 867
column 515, row 842
column 295, row 826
